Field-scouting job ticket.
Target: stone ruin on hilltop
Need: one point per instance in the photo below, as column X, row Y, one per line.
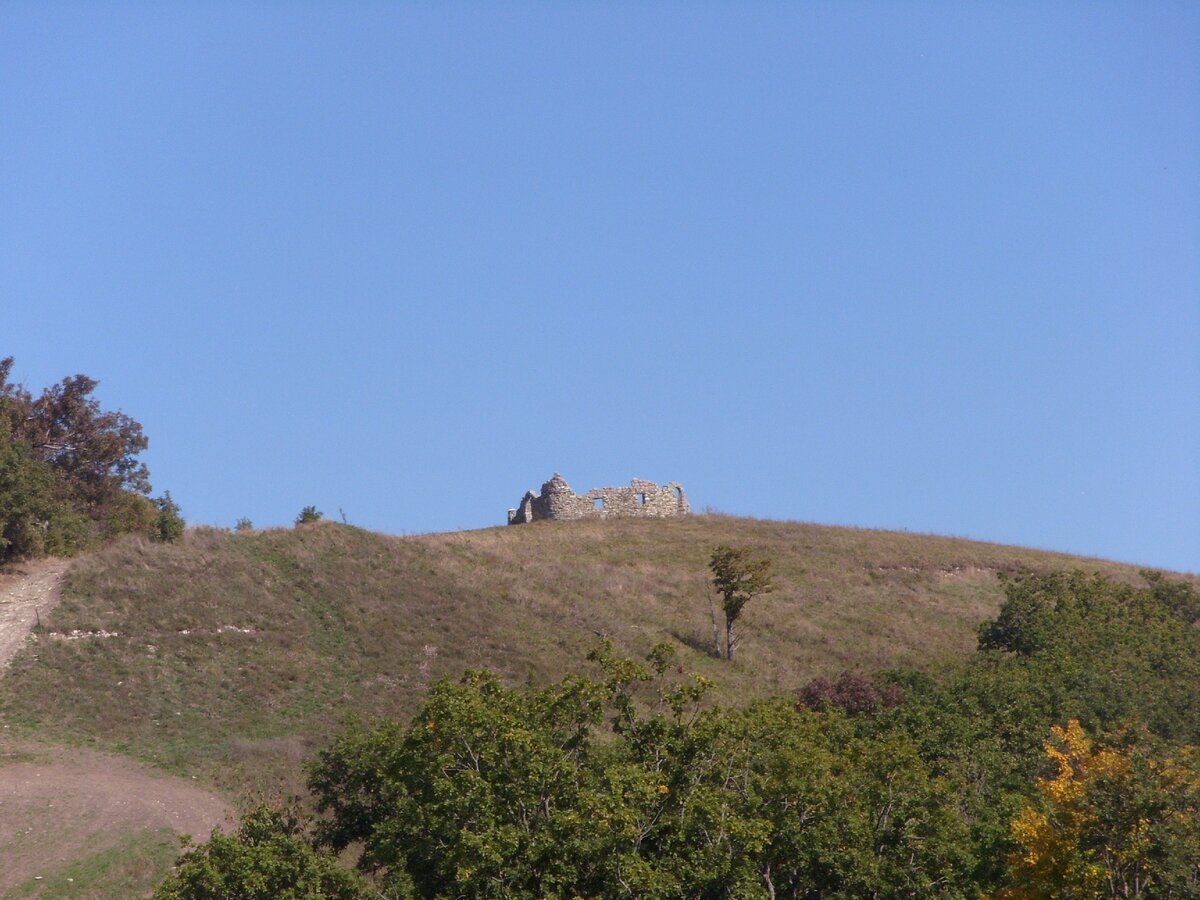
column 642, row 499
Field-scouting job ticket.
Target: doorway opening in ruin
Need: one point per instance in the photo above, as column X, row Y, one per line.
column 599, row 503
column 641, row 499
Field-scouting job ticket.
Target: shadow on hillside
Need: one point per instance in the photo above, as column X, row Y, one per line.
column 696, row 641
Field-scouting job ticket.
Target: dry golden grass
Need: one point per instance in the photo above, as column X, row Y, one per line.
column 236, row 655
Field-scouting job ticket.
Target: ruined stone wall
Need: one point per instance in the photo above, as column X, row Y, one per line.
column 641, row 499
column 523, row 513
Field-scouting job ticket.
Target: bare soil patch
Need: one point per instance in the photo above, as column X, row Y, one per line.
column 27, row 591
column 56, row 801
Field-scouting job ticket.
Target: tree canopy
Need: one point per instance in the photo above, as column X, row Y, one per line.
column 268, row 858
column 739, row 576
column 69, row 469
column 1028, row 771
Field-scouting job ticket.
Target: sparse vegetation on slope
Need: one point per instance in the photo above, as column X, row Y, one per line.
column 235, row 655
column 129, row 868
column 74, row 823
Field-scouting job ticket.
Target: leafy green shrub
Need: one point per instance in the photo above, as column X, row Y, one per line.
column 494, row 791
column 309, row 515
column 170, row 524
column 243, row 526
column 267, row 858
column 128, row 513
column 35, row 516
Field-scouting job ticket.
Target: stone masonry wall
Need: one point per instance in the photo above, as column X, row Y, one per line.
column 642, row 499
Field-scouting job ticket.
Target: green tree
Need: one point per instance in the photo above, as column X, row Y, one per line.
column 1180, row 597
column 1100, row 651
column 309, row 515
column 35, row 514
column 91, row 454
column 739, row 577
column 169, row 526
column 479, row 797
column 1063, row 647
column 267, row 859
column 500, row 792
column 95, row 449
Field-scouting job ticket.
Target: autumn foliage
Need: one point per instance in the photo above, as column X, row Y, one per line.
column 69, row 470
column 1119, row 818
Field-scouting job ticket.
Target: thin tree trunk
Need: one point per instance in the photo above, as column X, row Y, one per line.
column 712, row 608
column 730, row 643
column 765, row 872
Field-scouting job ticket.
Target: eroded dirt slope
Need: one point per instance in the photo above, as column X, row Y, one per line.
column 27, row 591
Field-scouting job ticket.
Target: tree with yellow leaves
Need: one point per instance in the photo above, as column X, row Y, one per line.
column 1116, row 820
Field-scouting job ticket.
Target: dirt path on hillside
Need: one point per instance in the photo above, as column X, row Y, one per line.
column 58, row 804
column 56, row 801
column 27, row 590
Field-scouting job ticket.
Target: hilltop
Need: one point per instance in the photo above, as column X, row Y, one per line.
column 232, row 656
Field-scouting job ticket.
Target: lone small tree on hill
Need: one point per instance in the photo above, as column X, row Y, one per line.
column 169, row 526
column 739, row 577
column 308, row 515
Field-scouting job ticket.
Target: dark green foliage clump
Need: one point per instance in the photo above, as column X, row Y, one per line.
column 1098, row 651
column 170, row 524
column 267, row 859
column 308, row 515
column 36, row 515
column 1065, row 646
column 493, row 791
column 905, row 786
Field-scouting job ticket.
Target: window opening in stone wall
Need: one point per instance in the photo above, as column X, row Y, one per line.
column 678, row 494
column 599, row 503
column 641, row 499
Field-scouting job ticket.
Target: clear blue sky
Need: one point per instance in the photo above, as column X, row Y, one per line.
column 932, row 266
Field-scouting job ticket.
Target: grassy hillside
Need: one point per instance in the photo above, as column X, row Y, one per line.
column 234, row 655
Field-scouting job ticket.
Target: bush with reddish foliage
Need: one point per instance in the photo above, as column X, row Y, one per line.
column 852, row 693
